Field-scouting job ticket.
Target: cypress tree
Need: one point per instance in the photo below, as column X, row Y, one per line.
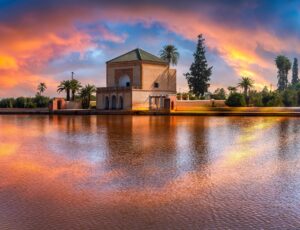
column 284, row 65
column 199, row 76
column 295, row 78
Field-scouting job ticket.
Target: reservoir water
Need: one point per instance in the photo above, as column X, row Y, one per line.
column 149, row 172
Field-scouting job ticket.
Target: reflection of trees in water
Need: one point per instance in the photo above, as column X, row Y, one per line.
column 73, row 124
column 71, row 136
column 286, row 180
column 192, row 144
column 283, row 139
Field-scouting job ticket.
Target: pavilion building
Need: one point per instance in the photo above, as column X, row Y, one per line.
column 138, row 80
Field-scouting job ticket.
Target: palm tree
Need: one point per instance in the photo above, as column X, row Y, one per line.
column 84, row 97
column 231, row 89
column 170, row 54
column 86, row 93
column 246, row 84
column 41, row 88
column 65, row 86
column 75, row 86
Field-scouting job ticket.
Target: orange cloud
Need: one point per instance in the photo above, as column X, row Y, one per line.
column 236, row 46
column 34, row 38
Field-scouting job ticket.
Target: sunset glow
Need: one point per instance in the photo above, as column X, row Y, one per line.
column 43, row 41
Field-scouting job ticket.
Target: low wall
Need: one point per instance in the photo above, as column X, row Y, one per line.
column 73, row 105
column 194, row 105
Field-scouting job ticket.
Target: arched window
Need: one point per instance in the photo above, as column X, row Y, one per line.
column 121, row 103
column 113, row 102
column 124, row 81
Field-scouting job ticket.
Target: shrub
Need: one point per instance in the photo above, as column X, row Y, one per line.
column 41, row 101
column 274, row 99
column 20, row 102
column 271, row 99
column 255, row 99
column 7, row 103
column 219, row 94
column 235, row 100
column 31, row 104
column 298, row 97
column 289, row 97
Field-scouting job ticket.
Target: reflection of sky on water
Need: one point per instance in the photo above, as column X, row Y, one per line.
column 232, row 167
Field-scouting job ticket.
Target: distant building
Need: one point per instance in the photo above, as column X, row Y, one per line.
column 137, row 80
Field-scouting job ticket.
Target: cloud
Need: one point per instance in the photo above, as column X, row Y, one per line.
column 39, row 39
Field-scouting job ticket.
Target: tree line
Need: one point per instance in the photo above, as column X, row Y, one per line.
column 73, row 89
column 198, row 79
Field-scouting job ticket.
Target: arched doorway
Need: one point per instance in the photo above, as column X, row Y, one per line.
column 113, row 102
column 59, row 104
column 121, row 103
column 172, row 105
column 106, row 102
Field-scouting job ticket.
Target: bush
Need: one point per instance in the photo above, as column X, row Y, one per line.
column 235, row 100
column 41, row 101
column 271, row 98
column 255, row 98
column 31, row 104
column 274, row 100
column 20, row 102
column 289, row 97
column 219, row 94
column 24, row 102
column 7, row 103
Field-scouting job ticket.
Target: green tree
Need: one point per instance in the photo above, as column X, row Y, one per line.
column 65, row 86
column 41, row 88
column 219, row 94
column 86, row 93
column 7, row 103
column 41, row 101
column 199, row 76
column 235, row 99
column 283, row 65
column 246, row 84
column 275, row 99
column 75, row 86
column 20, row 102
column 255, row 98
column 170, row 54
column 231, row 89
column 289, row 97
column 295, row 78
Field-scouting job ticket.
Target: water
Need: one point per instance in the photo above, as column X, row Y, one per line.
column 140, row 172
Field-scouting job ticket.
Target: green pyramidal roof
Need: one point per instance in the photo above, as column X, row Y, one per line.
column 138, row 55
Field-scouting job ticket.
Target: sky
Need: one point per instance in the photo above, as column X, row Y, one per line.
column 44, row 41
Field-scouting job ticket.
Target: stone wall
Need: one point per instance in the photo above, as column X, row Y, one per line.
column 161, row 74
column 73, row 105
